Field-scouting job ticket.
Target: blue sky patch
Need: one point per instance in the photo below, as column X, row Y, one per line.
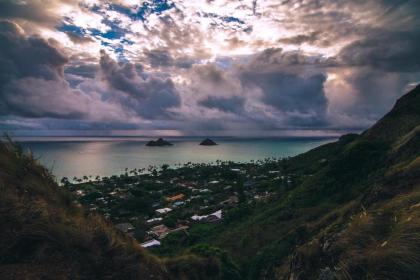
column 146, row 9
column 64, row 27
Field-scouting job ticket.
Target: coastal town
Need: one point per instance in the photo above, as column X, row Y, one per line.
column 152, row 204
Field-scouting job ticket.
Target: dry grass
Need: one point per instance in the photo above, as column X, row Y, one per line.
column 43, row 227
column 384, row 242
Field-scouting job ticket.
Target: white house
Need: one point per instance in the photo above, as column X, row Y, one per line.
column 154, row 220
column 163, row 211
column 211, row 217
column 150, row 243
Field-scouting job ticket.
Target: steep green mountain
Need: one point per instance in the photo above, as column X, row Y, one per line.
column 354, row 215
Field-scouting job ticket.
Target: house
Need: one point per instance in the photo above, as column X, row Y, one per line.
column 150, row 243
column 178, row 203
column 263, row 196
column 159, row 231
column 205, row 190
column 175, row 197
column 213, row 217
column 150, row 221
column 163, row 211
column 214, row 182
column 80, row 193
column 180, row 228
column 198, row 218
column 125, row 227
column 232, row 200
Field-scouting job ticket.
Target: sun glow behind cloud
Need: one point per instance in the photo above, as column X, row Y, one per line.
column 186, row 66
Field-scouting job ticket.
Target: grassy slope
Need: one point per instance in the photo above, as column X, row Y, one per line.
column 353, row 213
column 45, row 235
column 43, row 229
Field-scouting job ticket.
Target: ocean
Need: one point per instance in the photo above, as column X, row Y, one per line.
column 106, row 156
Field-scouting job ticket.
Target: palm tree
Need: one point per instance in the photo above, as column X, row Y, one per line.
column 165, row 167
column 64, row 181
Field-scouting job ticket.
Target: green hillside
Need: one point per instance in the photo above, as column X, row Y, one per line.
column 354, row 215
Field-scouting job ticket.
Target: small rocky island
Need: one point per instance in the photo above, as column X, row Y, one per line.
column 158, row 143
column 208, row 142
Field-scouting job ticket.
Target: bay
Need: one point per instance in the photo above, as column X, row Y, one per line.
column 106, row 156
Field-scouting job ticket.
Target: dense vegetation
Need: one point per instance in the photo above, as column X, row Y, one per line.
column 352, row 213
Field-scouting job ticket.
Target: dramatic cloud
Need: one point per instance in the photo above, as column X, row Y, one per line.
column 217, row 65
column 149, row 95
column 390, row 51
column 35, row 10
column 291, row 83
column 309, row 38
column 227, row 104
column 31, row 77
column 302, row 98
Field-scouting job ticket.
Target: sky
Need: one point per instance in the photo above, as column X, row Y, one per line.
column 204, row 67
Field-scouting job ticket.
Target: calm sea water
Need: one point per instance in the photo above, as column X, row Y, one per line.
column 108, row 156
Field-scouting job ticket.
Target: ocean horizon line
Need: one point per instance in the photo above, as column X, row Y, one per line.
column 93, row 138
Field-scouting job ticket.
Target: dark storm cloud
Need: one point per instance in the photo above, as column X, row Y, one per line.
column 34, row 10
column 376, row 90
column 301, row 38
column 234, row 104
column 23, row 57
column 163, row 58
column 82, row 70
column 149, row 95
column 38, row 98
column 384, row 50
column 303, row 97
column 276, row 58
column 78, row 38
column 122, row 77
column 31, row 77
column 79, row 73
column 290, row 82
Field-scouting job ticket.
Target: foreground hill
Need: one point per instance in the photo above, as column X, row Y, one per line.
column 46, row 235
column 355, row 214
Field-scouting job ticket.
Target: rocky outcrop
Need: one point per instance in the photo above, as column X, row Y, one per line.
column 158, row 143
column 208, row 142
